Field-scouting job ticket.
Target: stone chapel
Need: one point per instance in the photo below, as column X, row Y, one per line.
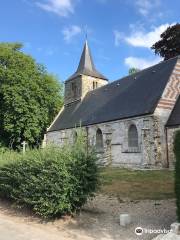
column 131, row 121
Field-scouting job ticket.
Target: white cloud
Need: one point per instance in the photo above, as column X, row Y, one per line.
column 146, row 39
column 118, row 36
column 60, row 7
column 141, row 63
column 70, row 32
column 145, row 7
column 141, row 38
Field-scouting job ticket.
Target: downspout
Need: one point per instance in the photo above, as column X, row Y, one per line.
column 167, row 147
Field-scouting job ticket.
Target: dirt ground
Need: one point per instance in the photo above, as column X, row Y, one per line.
column 99, row 220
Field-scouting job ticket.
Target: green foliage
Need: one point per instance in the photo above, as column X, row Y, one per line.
column 8, row 156
column 133, row 70
column 169, row 44
column 29, row 97
column 177, row 172
column 52, row 182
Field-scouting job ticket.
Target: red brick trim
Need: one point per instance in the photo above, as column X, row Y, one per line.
column 172, row 90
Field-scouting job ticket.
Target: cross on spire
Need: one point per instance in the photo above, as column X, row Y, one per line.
column 86, row 33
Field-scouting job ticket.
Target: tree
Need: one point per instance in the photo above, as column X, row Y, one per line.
column 133, row 70
column 177, row 171
column 29, row 97
column 169, row 44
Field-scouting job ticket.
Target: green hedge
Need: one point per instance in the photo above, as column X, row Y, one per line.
column 52, row 182
column 177, row 172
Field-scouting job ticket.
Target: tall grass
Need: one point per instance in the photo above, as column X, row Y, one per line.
column 8, row 156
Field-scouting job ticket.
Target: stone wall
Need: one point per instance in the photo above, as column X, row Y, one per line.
column 60, row 137
column 69, row 95
column 83, row 85
column 148, row 154
column 89, row 83
column 170, row 139
column 162, row 116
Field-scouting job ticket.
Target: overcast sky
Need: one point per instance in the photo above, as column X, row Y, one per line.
column 120, row 32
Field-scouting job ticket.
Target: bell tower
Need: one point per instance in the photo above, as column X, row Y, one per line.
column 85, row 79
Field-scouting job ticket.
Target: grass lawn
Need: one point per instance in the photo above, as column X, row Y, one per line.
column 137, row 184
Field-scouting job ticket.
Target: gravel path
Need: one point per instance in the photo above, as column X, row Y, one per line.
column 98, row 220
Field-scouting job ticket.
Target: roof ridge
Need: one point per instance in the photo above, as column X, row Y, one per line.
column 162, row 61
column 135, row 74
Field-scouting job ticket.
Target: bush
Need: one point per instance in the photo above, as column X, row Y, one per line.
column 177, row 172
column 52, row 182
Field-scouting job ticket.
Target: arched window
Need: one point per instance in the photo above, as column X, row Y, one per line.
column 132, row 136
column 74, row 89
column 99, row 140
column 75, row 137
column 95, row 85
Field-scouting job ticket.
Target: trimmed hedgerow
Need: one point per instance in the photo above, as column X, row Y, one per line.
column 52, row 182
column 177, row 172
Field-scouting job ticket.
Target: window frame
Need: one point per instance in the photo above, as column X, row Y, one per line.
column 75, row 136
column 99, row 141
column 74, row 89
column 133, row 139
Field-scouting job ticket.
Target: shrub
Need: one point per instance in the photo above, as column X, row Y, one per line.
column 52, row 182
column 177, row 172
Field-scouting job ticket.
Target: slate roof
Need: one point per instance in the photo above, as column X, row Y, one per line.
column 131, row 96
column 174, row 119
column 86, row 65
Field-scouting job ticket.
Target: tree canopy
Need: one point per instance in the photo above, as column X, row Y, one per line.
column 133, row 70
column 169, row 44
column 29, row 97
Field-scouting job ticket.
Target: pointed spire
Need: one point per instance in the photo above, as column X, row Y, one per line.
column 86, row 61
column 86, row 64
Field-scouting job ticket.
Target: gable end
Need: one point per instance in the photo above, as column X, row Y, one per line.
column 172, row 90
